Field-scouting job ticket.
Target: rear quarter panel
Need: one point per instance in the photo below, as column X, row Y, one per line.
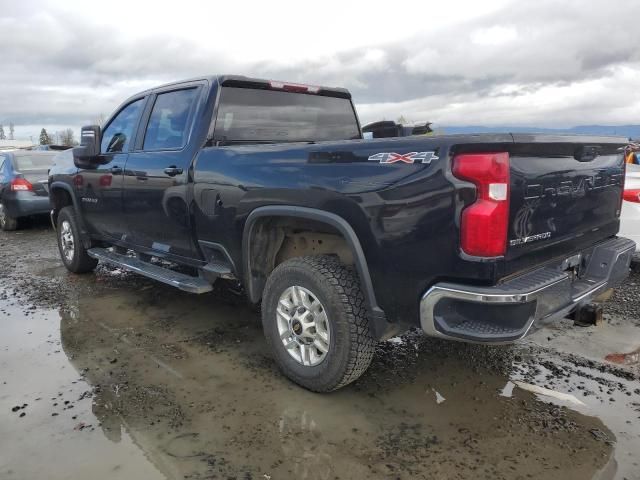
column 404, row 214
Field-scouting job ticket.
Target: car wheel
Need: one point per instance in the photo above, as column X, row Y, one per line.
column 7, row 222
column 72, row 251
column 315, row 322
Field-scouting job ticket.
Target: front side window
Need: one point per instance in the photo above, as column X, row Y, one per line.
column 117, row 136
column 252, row 115
column 168, row 124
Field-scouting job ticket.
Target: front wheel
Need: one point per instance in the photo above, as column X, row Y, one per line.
column 72, row 251
column 315, row 321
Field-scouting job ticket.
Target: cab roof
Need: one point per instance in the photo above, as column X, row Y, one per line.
column 252, row 82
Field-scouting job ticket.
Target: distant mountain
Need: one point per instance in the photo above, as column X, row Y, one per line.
column 631, row 131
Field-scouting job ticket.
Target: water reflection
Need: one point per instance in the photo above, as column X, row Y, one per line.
column 200, row 396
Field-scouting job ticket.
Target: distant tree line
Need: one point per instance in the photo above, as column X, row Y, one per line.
column 62, row 137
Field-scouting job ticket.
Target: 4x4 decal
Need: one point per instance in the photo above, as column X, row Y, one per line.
column 411, row 157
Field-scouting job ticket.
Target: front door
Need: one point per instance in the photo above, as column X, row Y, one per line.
column 100, row 189
column 156, row 186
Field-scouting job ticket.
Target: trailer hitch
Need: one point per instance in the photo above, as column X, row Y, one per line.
column 588, row 315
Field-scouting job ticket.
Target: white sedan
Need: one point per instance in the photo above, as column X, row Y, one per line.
column 630, row 215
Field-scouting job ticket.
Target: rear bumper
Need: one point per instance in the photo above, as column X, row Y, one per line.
column 506, row 312
column 22, row 204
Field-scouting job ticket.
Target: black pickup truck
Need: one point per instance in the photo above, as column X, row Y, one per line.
column 343, row 241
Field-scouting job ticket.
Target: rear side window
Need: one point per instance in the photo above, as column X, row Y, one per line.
column 117, row 136
column 169, row 121
column 32, row 163
column 252, row 115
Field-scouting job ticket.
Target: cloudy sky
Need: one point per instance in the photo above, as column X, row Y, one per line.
column 525, row 63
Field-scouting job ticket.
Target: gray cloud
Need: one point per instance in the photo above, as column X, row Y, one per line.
column 542, row 62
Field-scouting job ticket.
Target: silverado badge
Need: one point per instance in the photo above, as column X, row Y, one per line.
column 411, row 157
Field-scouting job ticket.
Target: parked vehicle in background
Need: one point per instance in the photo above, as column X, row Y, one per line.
column 343, row 241
column 630, row 214
column 24, row 190
column 389, row 129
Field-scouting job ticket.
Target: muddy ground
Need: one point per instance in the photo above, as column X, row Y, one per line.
column 111, row 376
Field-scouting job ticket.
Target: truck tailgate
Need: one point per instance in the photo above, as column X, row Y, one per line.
column 565, row 195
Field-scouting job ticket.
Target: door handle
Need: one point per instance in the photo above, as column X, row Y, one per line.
column 115, row 170
column 172, row 171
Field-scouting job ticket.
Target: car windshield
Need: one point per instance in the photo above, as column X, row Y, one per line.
column 32, row 163
column 250, row 115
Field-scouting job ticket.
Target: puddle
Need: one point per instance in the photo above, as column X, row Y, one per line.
column 163, row 384
column 55, row 435
column 610, row 395
column 183, row 387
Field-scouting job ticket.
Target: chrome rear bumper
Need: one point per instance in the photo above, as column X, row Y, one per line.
column 506, row 312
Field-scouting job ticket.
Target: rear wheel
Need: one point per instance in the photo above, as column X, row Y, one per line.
column 72, row 251
column 314, row 318
column 7, row 222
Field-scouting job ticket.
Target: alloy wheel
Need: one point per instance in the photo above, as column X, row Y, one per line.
column 303, row 326
column 66, row 241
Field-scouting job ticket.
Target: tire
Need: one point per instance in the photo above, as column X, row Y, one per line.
column 336, row 287
column 7, row 222
column 76, row 260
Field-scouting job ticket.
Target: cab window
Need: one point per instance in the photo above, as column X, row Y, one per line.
column 117, row 136
column 247, row 115
column 168, row 126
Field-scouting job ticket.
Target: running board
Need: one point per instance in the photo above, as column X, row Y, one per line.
column 175, row 279
column 219, row 269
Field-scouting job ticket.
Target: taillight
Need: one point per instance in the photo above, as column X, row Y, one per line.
column 20, row 184
column 631, row 195
column 484, row 224
column 293, row 87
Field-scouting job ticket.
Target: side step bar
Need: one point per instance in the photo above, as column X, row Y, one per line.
column 175, row 279
column 219, row 270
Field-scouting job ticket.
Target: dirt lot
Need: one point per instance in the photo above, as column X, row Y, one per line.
column 111, row 376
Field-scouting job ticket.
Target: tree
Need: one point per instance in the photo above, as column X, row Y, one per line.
column 67, row 137
column 401, row 120
column 11, row 131
column 2, row 135
column 44, row 137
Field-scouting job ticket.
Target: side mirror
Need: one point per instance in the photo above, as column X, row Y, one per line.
column 86, row 155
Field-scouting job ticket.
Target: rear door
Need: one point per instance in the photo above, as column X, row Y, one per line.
column 156, row 194
column 100, row 189
column 4, row 177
